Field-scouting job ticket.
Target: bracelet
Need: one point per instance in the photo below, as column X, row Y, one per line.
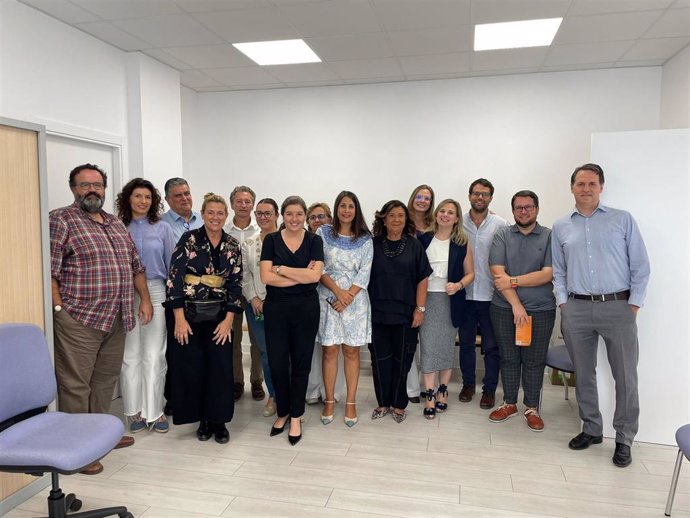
column 462, row 286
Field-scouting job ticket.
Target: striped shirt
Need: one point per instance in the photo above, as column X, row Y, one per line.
column 94, row 265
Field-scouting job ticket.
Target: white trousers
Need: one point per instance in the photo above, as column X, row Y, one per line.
column 315, row 386
column 143, row 367
column 413, row 387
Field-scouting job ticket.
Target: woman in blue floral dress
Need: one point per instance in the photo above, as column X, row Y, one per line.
column 345, row 311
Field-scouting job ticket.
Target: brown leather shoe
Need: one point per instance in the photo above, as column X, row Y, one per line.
column 237, row 390
column 488, row 400
column 258, row 393
column 534, row 420
column 466, row 393
column 124, row 442
column 92, row 469
column 503, row 412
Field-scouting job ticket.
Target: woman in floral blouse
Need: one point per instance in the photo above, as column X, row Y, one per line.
column 204, row 289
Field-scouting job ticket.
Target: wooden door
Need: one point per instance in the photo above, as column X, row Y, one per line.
column 21, row 254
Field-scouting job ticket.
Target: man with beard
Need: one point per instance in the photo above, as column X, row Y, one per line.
column 520, row 262
column 480, row 225
column 94, row 269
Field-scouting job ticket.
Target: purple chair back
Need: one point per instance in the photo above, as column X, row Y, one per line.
column 27, row 378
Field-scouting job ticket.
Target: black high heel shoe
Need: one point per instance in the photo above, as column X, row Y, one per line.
column 277, row 431
column 430, row 412
column 442, row 391
column 203, row 433
column 294, row 439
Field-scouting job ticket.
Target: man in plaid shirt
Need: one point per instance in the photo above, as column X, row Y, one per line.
column 94, row 268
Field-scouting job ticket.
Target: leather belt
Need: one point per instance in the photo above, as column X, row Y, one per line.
column 621, row 295
column 212, row 281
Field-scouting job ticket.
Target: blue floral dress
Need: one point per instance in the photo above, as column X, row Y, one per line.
column 347, row 262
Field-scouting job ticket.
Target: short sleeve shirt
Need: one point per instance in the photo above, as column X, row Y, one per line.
column 275, row 250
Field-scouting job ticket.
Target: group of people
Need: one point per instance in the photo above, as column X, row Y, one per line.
column 156, row 299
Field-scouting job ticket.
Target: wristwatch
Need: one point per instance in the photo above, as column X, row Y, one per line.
column 513, row 282
column 421, row 309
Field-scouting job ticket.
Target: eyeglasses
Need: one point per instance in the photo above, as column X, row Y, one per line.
column 478, row 194
column 266, row 214
column 86, row 185
column 314, row 217
column 421, row 197
column 526, row 208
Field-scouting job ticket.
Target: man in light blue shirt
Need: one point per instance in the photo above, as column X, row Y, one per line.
column 600, row 271
column 180, row 217
column 480, row 225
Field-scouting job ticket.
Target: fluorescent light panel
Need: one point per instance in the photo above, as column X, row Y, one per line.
column 512, row 35
column 280, row 52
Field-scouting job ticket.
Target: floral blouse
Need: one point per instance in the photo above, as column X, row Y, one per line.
column 195, row 255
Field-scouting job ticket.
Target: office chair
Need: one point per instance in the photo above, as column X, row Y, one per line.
column 683, row 441
column 34, row 441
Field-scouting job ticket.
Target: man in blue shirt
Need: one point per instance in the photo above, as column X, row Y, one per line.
column 600, row 271
column 180, row 217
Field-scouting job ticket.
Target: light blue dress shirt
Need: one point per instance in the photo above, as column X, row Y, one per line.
column 179, row 225
column 599, row 254
column 155, row 244
column 482, row 288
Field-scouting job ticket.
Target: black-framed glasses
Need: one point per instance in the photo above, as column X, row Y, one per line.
column 526, row 208
column 266, row 214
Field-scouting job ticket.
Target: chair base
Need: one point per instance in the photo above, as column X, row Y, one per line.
column 60, row 504
column 674, row 483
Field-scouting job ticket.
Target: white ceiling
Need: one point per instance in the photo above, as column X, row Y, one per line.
column 371, row 41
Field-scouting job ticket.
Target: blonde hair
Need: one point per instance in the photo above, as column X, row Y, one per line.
column 457, row 234
column 213, row 198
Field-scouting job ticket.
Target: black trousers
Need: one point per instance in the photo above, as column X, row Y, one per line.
column 202, row 381
column 392, row 350
column 291, row 324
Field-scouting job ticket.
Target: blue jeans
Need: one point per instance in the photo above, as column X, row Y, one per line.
column 477, row 312
column 257, row 327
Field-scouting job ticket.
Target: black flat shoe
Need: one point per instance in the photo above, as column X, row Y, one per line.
column 294, row 439
column 221, row 433
column 277, row 431
column 203, row 433
column 622, row 456
column 583, row 440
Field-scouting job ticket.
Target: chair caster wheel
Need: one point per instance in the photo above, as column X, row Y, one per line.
column 72, row 503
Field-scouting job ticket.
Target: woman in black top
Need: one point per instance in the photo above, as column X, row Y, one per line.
column 291, row 266
column 397, row 290
column 204, row 290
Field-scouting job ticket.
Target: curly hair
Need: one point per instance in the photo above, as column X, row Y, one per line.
column 379, row 229
column 123, row 204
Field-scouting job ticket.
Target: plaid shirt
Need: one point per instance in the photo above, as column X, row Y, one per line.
column 94, row 265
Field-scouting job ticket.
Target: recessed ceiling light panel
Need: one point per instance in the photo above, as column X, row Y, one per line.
column 280, row 52
column 512, row 35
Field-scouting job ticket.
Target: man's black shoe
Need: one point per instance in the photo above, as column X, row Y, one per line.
column 622, row 456
column 583, row 440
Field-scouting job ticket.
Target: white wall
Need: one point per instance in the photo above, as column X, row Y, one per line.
column 60, row 77
column 381, row 140
column 675, row 91
column 633, row 159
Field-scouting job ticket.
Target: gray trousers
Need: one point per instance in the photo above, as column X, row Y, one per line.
column 583, row 322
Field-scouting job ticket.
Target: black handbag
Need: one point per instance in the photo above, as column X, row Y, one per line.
column 196, row 311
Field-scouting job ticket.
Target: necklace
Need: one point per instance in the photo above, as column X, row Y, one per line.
column 399, row 249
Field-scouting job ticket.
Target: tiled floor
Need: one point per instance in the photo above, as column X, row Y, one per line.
column 459, row 464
